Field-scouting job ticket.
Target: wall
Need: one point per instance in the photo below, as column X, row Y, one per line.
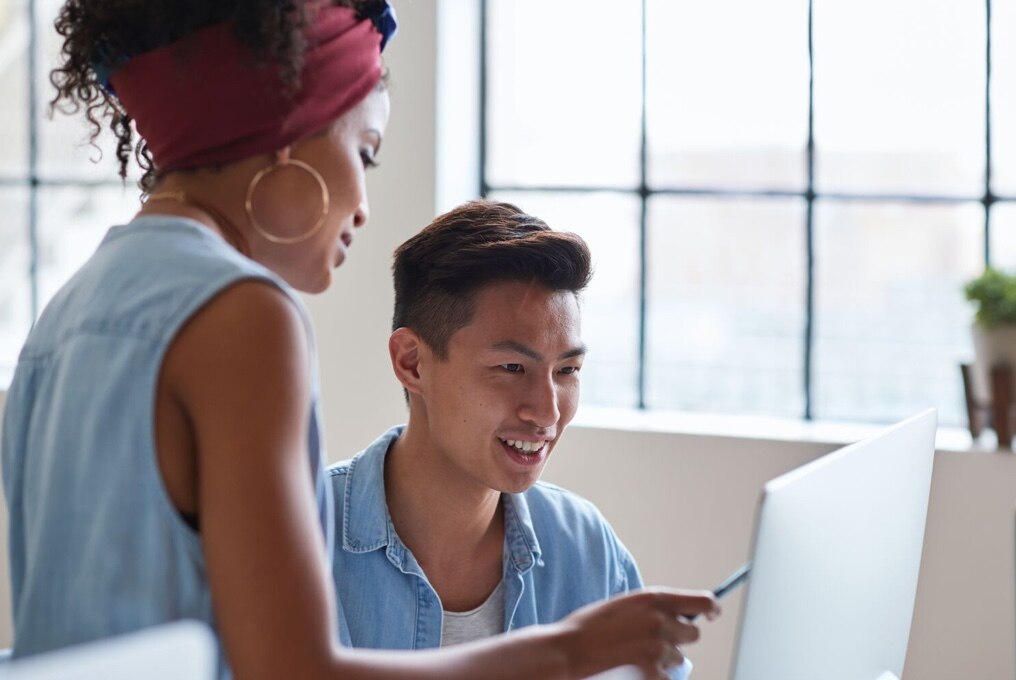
column 353, row 318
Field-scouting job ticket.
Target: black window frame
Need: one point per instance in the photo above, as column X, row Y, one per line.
column 809, row 194
column 33, row 180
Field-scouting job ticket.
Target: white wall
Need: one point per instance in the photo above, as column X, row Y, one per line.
column 353, row 318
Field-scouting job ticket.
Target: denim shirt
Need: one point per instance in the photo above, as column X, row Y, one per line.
column 559, row 555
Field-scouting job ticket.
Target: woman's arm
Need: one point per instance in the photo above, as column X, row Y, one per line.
column 640, row 629
column 242, row 378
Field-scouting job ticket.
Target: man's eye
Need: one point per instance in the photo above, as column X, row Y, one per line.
column 571, row 370
column 512, row 368
column 368, row 159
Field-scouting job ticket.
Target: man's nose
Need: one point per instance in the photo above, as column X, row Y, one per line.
column 540, row 406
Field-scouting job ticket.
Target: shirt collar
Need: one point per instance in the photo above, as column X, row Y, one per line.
column 367, row 525
column 521, row 545
column 365, row 518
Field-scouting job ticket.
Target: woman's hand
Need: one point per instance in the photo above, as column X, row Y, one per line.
column 644, row 629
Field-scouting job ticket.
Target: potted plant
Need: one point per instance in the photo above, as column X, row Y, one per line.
column 994, row 293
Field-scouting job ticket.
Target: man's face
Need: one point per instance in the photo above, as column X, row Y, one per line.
column 509, row 386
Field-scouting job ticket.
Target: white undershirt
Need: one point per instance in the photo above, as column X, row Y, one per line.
column 482, row 622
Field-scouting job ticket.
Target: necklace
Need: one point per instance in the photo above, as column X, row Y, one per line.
column 230, row 232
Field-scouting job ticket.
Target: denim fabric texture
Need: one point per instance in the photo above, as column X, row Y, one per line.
column 97, row 548
column 560, row 554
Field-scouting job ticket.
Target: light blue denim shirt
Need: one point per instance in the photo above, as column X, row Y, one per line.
column 96, row 546
column 559, row 555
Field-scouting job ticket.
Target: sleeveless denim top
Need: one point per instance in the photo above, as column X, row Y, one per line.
column 96, row 546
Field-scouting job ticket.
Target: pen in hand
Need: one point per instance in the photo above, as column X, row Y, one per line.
column 731, row 583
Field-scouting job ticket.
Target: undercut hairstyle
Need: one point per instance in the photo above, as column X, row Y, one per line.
column 117, row 29
column 439, row 271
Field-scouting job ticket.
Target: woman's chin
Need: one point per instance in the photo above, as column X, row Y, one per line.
column 310, row 283
column 320, row 285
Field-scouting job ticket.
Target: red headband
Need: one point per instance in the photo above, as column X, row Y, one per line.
column 206, row 100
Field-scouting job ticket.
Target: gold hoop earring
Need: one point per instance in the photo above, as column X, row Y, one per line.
column 281, row 161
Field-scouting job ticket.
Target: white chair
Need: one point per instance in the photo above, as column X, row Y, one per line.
column 184, row 650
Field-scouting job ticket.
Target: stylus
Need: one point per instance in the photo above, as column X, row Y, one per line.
column 731, row 583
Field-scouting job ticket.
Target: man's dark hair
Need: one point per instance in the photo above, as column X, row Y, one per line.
column 439, row 271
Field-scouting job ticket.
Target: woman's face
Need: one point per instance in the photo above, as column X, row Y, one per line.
column 288, row 201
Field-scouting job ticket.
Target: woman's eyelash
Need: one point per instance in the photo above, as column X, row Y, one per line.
column 368, row 159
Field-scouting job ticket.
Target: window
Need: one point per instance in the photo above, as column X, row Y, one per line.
column 56, row 202
column 783, row 199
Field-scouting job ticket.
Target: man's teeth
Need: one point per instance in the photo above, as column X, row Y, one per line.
column 525, row 447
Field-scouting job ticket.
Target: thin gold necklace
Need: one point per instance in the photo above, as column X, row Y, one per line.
column 230, row 232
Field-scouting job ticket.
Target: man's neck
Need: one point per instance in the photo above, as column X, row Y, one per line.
column 454, row 527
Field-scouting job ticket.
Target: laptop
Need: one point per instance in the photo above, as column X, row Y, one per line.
column 177, row 651
column 836, row 556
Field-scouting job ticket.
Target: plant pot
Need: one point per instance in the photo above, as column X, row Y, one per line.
column 992, row 348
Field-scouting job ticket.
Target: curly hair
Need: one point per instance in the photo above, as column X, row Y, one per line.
column 117, row 29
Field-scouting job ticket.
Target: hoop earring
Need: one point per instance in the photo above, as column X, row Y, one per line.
column 281, row 161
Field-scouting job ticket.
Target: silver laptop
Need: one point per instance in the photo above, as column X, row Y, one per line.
column 178, row 651
column 837, row 551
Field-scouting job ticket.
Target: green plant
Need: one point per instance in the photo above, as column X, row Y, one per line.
column 994, row 292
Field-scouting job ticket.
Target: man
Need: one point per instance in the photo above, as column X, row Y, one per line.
column 445, row 533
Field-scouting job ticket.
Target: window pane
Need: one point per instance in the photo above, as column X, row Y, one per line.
column 891, row 323
column 64, row 150
column 899, row 96
column 14, row 84
column 610, row 306
column 726, row 306
column 727, row 102
column 563, row 93
column 1003, row 96
column 1003, row 236
column 72, row 222
column 15, row 289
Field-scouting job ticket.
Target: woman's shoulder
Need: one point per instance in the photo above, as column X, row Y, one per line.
column 150, row 276
column 174, row 245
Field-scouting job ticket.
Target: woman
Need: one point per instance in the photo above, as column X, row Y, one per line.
column 160, row 444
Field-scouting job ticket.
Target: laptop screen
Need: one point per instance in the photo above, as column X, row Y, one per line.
column 835, row 562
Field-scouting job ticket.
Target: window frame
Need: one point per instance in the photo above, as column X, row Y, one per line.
column 987, row 199
column 33, row 179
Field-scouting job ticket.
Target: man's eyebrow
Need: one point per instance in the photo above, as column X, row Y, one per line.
column 575, row 352
column 519, row 348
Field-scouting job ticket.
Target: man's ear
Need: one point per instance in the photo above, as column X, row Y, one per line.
column 407, row 350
